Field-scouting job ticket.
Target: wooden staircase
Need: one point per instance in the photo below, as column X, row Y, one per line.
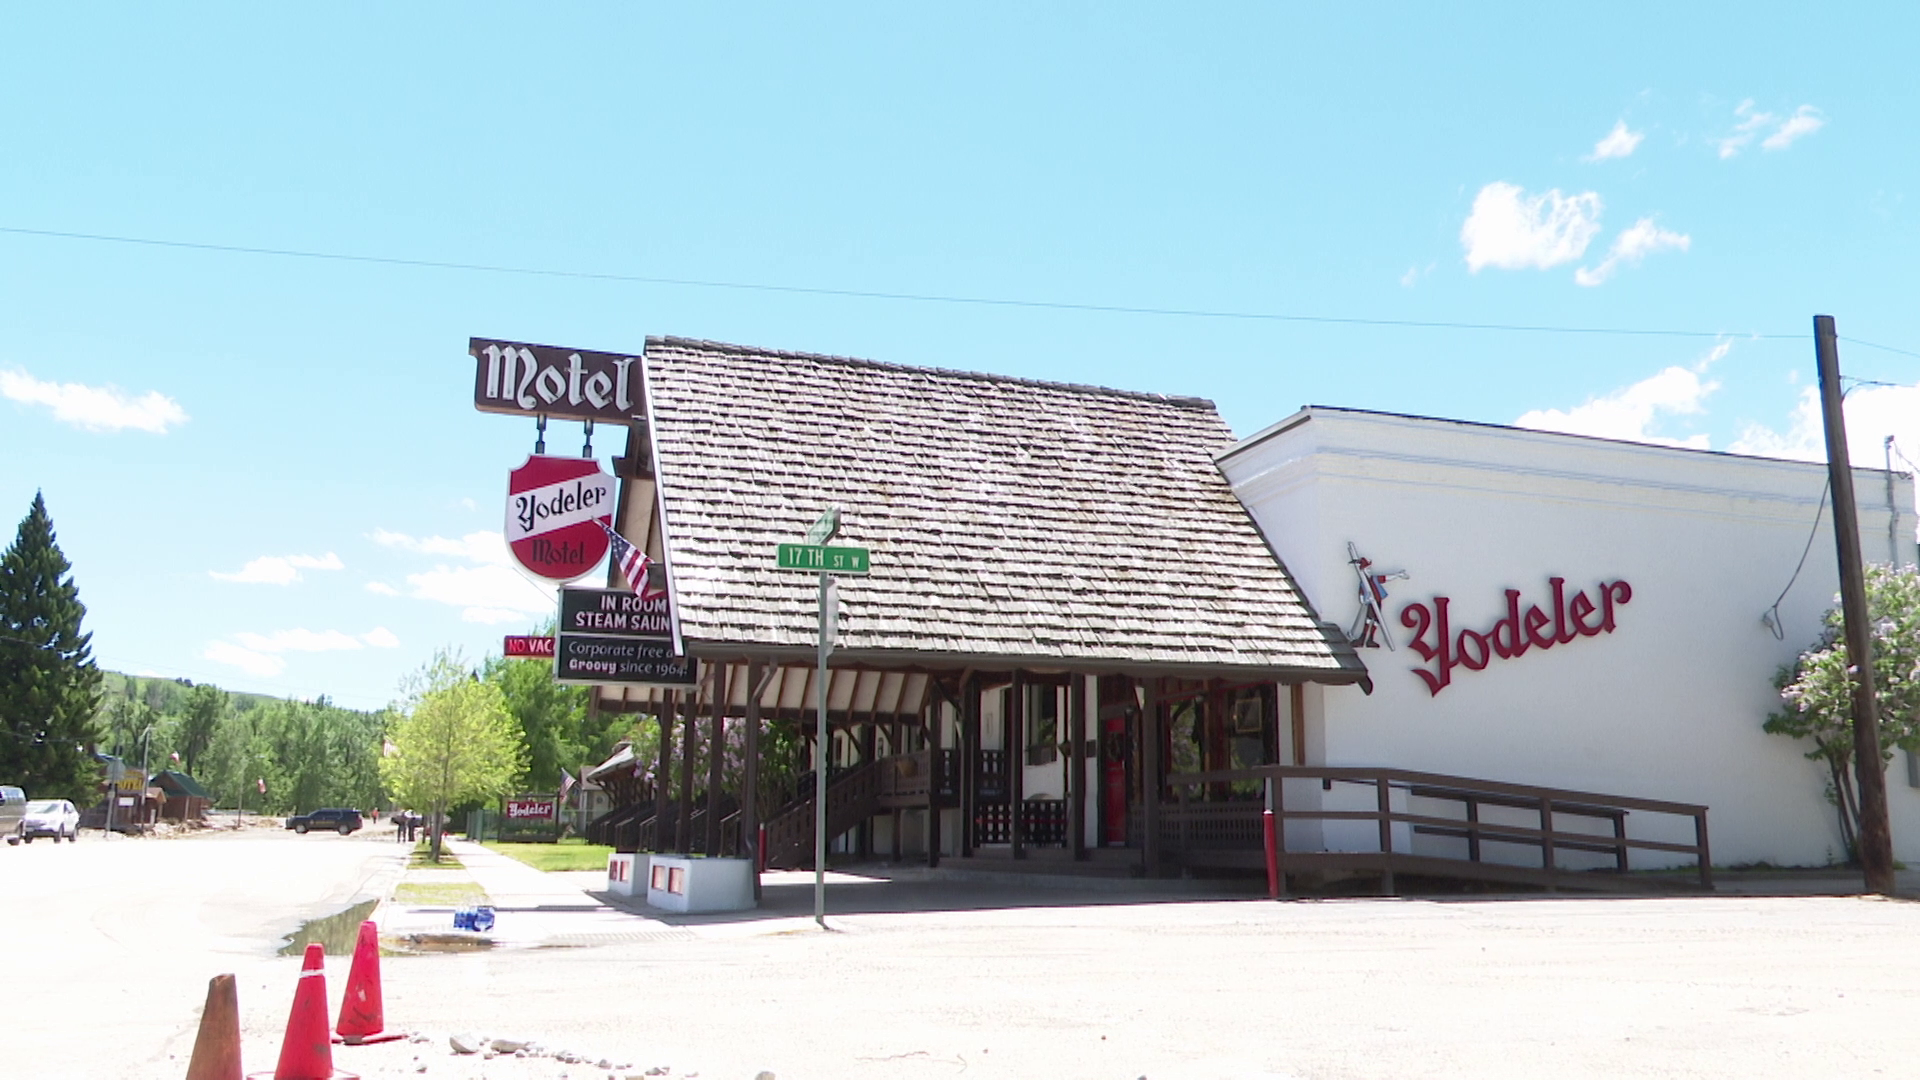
column 852, row 797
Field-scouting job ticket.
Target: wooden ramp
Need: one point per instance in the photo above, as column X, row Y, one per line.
column 1332, row 821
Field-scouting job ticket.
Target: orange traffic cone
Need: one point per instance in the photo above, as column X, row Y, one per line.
column 305, row 1052
column 362, row 1017
column 216, row 1049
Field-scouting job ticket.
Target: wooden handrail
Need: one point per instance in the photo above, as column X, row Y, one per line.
column 1470, row 791
column 1410, row 777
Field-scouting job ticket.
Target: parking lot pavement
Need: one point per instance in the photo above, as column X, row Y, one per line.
column 1757, row 988
column 924, row 979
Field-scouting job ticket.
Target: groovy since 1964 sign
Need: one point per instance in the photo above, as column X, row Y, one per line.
column 555, row 509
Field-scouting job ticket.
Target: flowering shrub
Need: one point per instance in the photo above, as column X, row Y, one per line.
column 1817, row 689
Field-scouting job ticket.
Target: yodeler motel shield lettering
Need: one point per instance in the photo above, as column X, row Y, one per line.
column 555, row 509
column 617, row 636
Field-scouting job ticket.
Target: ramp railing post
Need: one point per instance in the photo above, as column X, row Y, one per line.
column 1270, row 832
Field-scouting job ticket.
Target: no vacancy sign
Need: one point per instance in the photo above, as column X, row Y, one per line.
column 555, row 509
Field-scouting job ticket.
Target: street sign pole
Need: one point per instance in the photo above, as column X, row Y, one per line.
column 823, row 742
column 815, row 556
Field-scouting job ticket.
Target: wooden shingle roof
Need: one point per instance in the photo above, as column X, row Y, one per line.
column 1011, row 522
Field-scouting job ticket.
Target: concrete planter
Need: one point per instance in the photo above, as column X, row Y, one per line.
column 695, row 885
column 627, row 874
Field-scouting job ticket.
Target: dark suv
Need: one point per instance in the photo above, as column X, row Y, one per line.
column 338, row 820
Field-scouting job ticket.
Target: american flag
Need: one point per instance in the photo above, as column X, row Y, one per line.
column 566, row 784
column 633, row 564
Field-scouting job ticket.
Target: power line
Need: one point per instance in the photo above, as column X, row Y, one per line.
column 1882, row 348
column 865, row 294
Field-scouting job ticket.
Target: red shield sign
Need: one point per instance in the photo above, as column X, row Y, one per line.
column 555, row 506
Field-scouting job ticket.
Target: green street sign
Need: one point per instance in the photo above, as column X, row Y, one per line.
column 823, row 529
column 819, row 559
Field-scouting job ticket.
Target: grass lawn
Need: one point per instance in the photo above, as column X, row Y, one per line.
column 572, row 853
column 422, row 856
column 459, row 893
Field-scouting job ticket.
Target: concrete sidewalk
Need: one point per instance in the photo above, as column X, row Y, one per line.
column 532, row 908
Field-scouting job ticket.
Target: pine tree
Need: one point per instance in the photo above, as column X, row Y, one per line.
column 49, row 686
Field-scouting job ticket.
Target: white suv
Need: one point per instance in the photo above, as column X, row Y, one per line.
column 51, row 817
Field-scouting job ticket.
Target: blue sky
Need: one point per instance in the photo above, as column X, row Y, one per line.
column 267, row 469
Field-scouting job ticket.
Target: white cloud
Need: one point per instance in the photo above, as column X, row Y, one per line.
column 489, row 594
column 1805, row 121
column 95, row 408
column 481, row 547
column 1873, row 413
column 487, row 591
column 260, row 654
column 468, row 504
column 1640, row 240
column 492, row 616
column 280, row 569
column 1617, row 143
column 298, row 641
column 1631, row 412
column 253, row 663
column 1514, row 231
column 1414, row 273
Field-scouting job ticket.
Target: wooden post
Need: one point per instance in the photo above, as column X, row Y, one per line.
column 1386, row 837
column 1150, row 780
column 1297, row 706
column 689, row 741
column 750, row 781
column 969, row 763
column 663, row 775
column 869, row 753
column 1549, row 858
column 1016, row 763
column 1875, row 836
column 1706, row 855
column 716, row 757
column 935, row 777
column 1077, row 766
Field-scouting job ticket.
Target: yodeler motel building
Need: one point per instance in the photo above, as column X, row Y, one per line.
column 1101, row 635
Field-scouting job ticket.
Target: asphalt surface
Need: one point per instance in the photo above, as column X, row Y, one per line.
column 110, row 941
column 995, row 980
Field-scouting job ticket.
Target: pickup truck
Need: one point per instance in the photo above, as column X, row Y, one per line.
column 332, row 819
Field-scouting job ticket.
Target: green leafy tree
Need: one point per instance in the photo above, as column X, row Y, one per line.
column 454, row 741
column 552, row 717
column 205, row 707
column 1817, row 689
column 49, row 686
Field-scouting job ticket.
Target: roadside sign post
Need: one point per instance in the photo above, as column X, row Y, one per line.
column 815, row 556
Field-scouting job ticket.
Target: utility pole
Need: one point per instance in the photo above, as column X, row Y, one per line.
column 1875, row 837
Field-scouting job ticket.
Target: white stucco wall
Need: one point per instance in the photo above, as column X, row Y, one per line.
column 1668, row 705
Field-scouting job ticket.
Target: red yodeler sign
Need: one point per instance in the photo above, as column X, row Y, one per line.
column 1436, row 642
column 532, row 807
column 520, row 645
column 555, row 507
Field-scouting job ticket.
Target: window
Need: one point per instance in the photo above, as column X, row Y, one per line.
column 1042, row 723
